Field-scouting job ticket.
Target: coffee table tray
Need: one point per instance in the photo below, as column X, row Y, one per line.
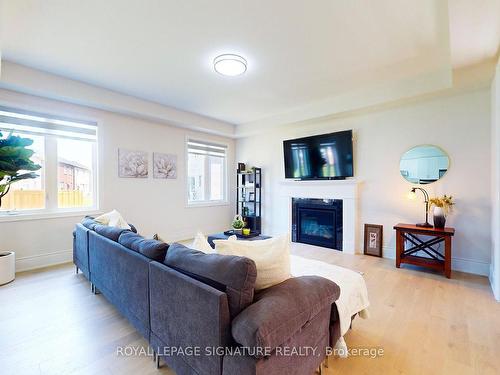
column 241, row 235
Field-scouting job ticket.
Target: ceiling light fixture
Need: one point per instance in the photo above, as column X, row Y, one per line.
column 230, row 65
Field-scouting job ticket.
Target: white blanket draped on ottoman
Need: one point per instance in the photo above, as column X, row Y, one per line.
column 353, row 293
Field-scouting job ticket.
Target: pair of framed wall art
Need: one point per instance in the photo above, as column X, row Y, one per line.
column 135, row 164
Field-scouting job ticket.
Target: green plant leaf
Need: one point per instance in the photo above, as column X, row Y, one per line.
column 8, row 167
column 24, row 176
column 15, row 157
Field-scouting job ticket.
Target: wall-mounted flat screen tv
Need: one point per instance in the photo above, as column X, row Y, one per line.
column 326, row 156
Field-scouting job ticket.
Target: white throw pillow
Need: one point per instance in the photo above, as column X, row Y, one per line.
column 200, row 243
column 271, row 256
column 113, row 219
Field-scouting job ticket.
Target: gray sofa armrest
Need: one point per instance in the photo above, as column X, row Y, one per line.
column 282, row 310
column 186, row 313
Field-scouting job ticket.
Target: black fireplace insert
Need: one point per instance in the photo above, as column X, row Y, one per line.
column 317, row 222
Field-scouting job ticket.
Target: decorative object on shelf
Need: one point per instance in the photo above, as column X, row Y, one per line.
column 238, row 223
column 164, row 165
column 245, row 231
column 15, row 162
column 412, row 195
column 241, row 167
column 373, row 239
column 424, row 164
column 132, row 164
column 442, row 206
column 7, row 267
column 248, row 196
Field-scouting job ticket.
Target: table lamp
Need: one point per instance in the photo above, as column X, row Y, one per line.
column 412, row 195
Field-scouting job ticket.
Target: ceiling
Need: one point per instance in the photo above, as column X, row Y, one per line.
column 300, row 54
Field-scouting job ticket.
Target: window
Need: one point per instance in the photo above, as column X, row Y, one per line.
column 67, row 151
column 207, row 172
column 75, row 177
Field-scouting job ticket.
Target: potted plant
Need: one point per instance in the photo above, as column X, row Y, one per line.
column 441, row 207
column 238, row 223
column 7, row 267
column 15, row 163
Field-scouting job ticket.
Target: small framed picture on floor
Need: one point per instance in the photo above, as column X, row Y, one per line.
column 373, row 239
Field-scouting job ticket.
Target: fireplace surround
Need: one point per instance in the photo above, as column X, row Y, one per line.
column 346, row 190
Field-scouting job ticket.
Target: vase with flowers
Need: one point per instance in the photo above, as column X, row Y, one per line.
column 441, row 208
column 238, row 223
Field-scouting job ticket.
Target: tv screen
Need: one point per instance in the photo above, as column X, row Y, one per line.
column 326, row 156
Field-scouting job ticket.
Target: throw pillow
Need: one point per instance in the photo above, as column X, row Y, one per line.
column 152, row 249
column 231, row 274
column 113, row 219
column 271, row 256
column 200, row 243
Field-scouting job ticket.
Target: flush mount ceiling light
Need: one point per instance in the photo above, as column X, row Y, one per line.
column 230, row 65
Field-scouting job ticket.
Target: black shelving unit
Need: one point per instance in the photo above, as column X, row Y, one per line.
column 249, row 197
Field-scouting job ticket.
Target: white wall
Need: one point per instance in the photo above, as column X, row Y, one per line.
column 153, row 205
column 495, row 190
column 459, row 124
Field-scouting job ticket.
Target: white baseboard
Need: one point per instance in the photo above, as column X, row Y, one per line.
column 496, row 291
column 470, row 266
column 457, row 264
column 43, row 260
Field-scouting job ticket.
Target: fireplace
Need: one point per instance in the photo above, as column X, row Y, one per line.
column 317, row 222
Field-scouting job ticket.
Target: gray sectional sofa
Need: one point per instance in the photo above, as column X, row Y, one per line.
column 200, row 312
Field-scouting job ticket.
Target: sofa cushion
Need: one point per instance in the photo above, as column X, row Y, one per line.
column 89, row 222
column 271, row 256
column 109, row 232
column 231, row 274
column 152, row 249
column 113, row 219
column 282, row 310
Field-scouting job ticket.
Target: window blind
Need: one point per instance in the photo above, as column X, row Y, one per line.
column 40, row 123
column 204, row 148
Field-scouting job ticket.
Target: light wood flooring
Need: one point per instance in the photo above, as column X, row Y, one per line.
column 50, row 323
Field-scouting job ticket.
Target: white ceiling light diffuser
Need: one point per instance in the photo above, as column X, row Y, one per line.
column 230, row 65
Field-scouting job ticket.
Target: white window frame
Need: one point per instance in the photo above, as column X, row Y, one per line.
column 207, row 202
column 50, row 173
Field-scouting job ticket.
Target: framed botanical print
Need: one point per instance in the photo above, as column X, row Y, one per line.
column 373, row 239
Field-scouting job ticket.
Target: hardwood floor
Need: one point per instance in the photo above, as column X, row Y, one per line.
column 50, row 323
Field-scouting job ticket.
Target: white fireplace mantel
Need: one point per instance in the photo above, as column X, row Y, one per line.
column 347, row 190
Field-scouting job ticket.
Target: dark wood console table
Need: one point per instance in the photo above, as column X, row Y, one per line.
column 408, row 233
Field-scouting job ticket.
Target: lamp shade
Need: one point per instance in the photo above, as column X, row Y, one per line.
column 412, row 195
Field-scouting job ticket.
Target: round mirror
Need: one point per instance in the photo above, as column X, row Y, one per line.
column 424, row 164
